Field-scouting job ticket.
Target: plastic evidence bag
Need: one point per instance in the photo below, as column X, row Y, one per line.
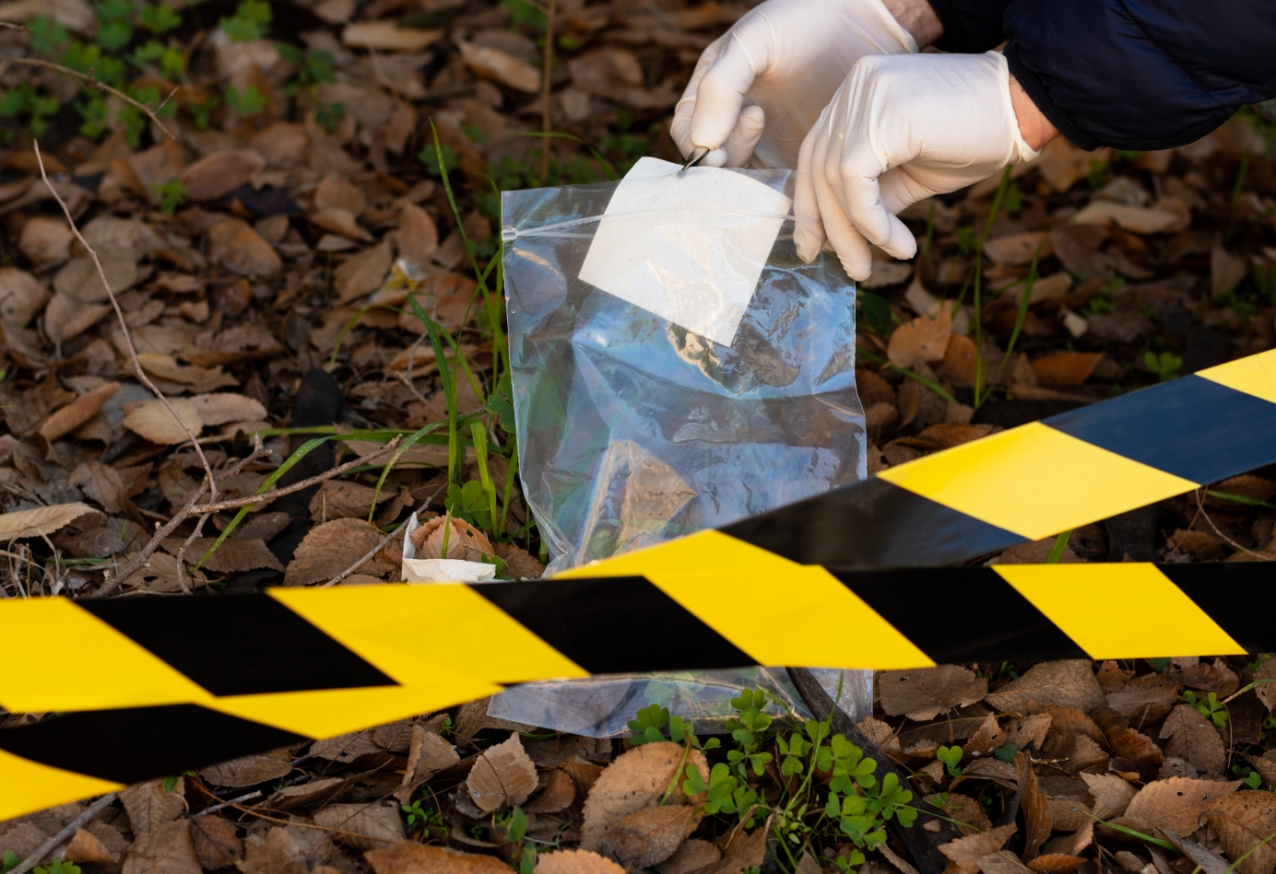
column 675, row 367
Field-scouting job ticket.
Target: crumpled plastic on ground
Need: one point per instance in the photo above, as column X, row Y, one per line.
column 634, row 430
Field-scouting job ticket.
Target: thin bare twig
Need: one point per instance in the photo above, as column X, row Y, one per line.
column 92, row 81
column 1200, row 506
column 373, row 551
column 128, row 337
column 65, row 833
column 271, row 495
column 161, row 533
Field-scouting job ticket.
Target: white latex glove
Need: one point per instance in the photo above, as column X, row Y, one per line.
column 899, row 130
column 760, row 86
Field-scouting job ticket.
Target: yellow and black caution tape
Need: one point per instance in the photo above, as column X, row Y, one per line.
column 144, row 688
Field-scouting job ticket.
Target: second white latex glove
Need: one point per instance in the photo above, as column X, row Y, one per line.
column 900, row 129
column 760, row 86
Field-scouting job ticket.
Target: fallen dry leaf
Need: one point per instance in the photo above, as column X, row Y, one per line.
column 633, row 782
column 1112, row 795
column 1065, row 369
column 1140, row 219
column 1265, row 675
column 1004, row 862
column 1245, row 823
column 1019, row 249
column 503, row 776
column 1037, row 818
column 492, row 63
column 1265, row 765
column 198, row 379
column 575, row 862
column 691, row 856
column 1066, row 683
column 242, row 250
column 153, row 420
column 1177, row 803
column 336, row 190
column 248, row 770
column 747, row 853
column 46, row 241
column 464, row 541
column 79, row 411
column 409, row 857
column 21, row 297
column 165, row 849
column 216, row 843
column 557, row 794
column 386, row 36
column 965, row 811
column 149, row 806
column 647, row 837
column 280, row 849
column 418, row 236
column 362, row 274
column 1147, row 699
column 923, row 693
column 332, row 547
column 1137, row 748
column 40, row 521
column 88, row 847
column 966, row 852
column 519, row 563
column 223, row 407
column 429, row 753
column 924, row 339
column 363, row 826
column 338, row 499
column 1193, row 737
column 1056, row 863
column 220, row 173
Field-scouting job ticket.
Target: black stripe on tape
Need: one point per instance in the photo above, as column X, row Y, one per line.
column 870, row 524
column 614, row 625
column 141, row 743
column 1191, row 428
column 961, row 615
column 238, row 644
column 1239, row 596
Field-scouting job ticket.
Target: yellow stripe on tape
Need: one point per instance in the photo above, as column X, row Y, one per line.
column 330, row 712
column 413, row 632
column 92, row 665
column 1035, row 481
column 765, row 604
column 1121, row 611
column 1255, row 375
column 31, row 786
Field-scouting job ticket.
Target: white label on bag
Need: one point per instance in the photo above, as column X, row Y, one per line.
column 688, row 249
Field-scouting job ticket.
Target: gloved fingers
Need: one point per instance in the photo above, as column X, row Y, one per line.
column 808, row 233
column 900, row 190
column 720, row 95
column 744, row 136
column 851, row 247
column 859, row 192
column 680, row 130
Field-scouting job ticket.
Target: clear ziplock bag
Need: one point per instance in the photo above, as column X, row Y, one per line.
column 714, row 379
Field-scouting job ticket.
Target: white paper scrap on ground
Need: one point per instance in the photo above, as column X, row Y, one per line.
column 438, row 570
column 689, row 249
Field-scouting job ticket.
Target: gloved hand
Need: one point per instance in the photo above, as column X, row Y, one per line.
column 760, row 86
column 900, row 129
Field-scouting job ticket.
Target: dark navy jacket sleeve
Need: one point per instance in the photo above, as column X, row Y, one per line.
column 1134, row 74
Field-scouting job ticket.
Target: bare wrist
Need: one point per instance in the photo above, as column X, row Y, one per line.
column 918, row 18
column 1034, row 127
